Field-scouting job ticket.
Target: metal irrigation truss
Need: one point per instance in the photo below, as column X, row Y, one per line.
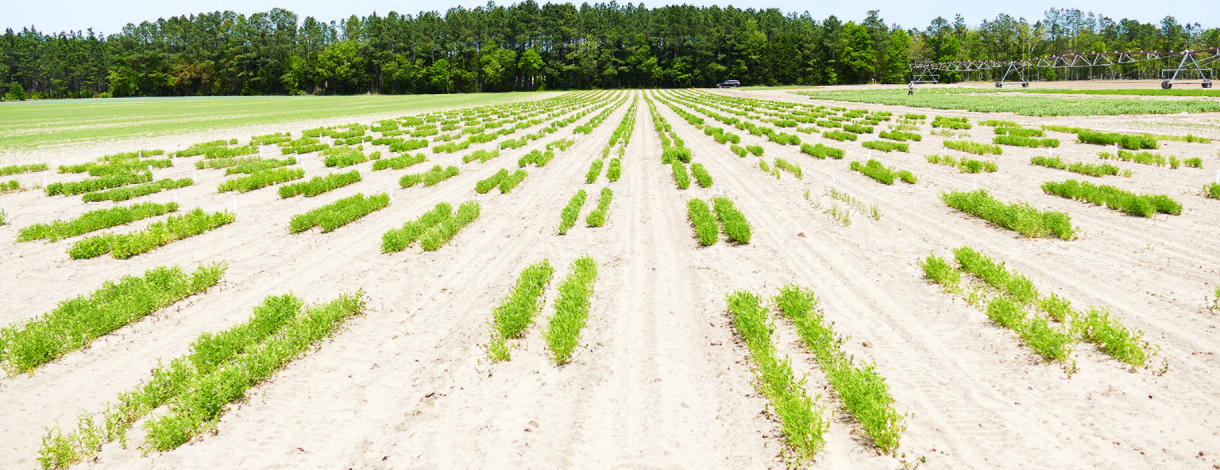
column 1192, row 68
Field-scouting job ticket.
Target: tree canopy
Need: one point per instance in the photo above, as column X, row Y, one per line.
column 528, row 46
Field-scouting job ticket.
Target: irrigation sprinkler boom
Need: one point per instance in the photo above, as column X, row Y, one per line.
column 1192, row 68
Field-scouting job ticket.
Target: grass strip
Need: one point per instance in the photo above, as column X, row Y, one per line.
column 702, row 220
column 516, row 311
column 139, row 190
column 206, row 396
column 338, row 213
column 1146, row 205
column 18, row 169
column 571, row 212
column 863, row 392
column 320, row 184
column 123, row 246
column 399, row 239
column 571, row 310
column 436, row 237
column 597, row 218
column 208, row 352
column 1020, row 217
column 77, row 322
column 261, row 179
column 732, row 220
column 93, row 221
column 802, row 422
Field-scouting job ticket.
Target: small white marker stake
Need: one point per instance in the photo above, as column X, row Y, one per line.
column 175, row 196
column 974, row 184
column 1218, row 177
column 391, row 194
column 832, row 181
column 234, row 205
column 1115, row 150
column 44, row 180
column 193, row 177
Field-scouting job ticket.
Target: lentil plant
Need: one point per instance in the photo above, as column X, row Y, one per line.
column 732, row 220
column 571, row 212
column 571, row 310
column 77, row 322
column 123, row 246
column 597, row 218
column 703, row 222
column 94, row 220
column 399, row 239
column 1021, row 217
column 338, row 213
column 441, row 233
column 1114, row 198
column 319, row 184
column 516, row 311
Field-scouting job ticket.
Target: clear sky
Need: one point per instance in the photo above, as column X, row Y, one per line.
column 109, row 17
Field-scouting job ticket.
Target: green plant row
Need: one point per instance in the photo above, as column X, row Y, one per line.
column 863, row 392
column 885, row 146
column 1022, row 141
column 399, row 162
column 597, row 218
column 970, row 99
column 259, row 165
column 965, row 165
column 511, row 181
column 571, row 212
column 1018, row 132
column 338, row 213
column 76, row 322
column 789, row 167
column 571, row 309
column 10, row 186
column 822, row 151
column 1212, row 190
column 436, row 237
column 701, row 175
column 432, row 177
column 399, row 239
column 672, row 154
column 839, row 136
column 615, row 171
column 1020, row 217
column 595, row 171
column 409, row 145
column 209, row 352
column 973, row 147
column 1077, row 167
column 857, row 129
column 702, row 220
column 320, row 184
column 16, row 169
column 94, row 220
column 98, row 184
column 261, row 180
column 481, row 155
column 951, row 123
column 225, row 162
column 681, row 177
column 875, row 170
column 1129, row 142
column 204, row 397
column 131, row 192
column 123, row 246
column 900, row 136
column 487, row 184
column 802, row 422
column 516, row 311
column 536, row 157
column 1146, row 205
column 732, row 220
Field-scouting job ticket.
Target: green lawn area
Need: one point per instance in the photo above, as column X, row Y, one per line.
column 33, row 124
column 986, row 101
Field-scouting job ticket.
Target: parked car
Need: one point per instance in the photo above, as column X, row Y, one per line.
column 728, row 84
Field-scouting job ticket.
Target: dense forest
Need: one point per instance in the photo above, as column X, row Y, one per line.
column 528, row 46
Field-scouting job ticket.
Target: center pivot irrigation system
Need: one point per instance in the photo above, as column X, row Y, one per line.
column 1193, row 66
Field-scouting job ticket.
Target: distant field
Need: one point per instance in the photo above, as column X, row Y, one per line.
column 1128, row 91
column 32, row 124
column 971, row 99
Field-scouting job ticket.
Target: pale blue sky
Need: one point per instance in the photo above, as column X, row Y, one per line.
column 109, row 17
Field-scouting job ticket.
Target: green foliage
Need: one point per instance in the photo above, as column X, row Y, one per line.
column 16, row 169
column 855, row 129
column 571, row 309
column 516, row 311
column 1017, row 131
column 94, row 220
column 597, row 218
column 1130, row 142
column 900, row 136
column 441, row 233
column 10, row 186
column 1195, row 162
column 320, row 184
column 131, row 192
column 885, row 146
column 875, row 170
column 1022, row 141
column 1114, row 198
column 1115, row 339
column 123, row 246
column 702, row 176
column 1078, row 167
column 595, row 170
column 822, row 151
column 511, row 181
column 77, row 322
column 98, row 184
column 1021, row 217
column 951, row 122
column 789, row 167
column 973, row 147
column 481, row 155
column 1001, row 125
column 408, row 145
column 739, row 150
column 964, row 165
column 338, row 213
column 261, row 179
column 205, row 396
column 255, row 166
column 703, row 222
column 863, row 392
column 969, row 99
column 571, row 212
column 732, row 220
column 680, row 175
column 937, row 270
column 399, row 239
column 801, row 421
column 1212, row 190
column 615, row 171
column 489, row 183
column 839, row 136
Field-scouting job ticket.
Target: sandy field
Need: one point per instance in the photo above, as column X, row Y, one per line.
column 660, row 380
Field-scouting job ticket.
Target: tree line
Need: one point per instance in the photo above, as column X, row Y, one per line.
column 527, row 46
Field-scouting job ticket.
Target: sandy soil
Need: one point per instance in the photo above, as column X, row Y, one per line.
column 659, row 381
